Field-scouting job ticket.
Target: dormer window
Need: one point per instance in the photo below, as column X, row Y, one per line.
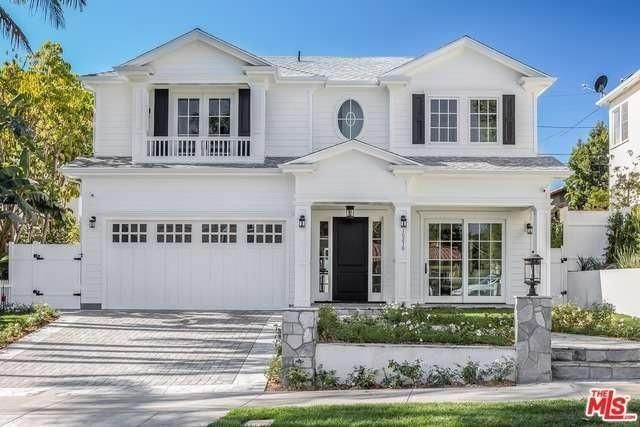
column 350, row 119
column 443, row 120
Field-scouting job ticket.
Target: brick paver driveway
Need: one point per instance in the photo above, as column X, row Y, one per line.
column 125, row 348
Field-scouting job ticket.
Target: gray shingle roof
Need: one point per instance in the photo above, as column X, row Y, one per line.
column 489, row 163
column 127, row 163
column 336, row 67
column 432, row 162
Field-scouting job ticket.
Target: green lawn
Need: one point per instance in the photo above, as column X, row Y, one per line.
column 15, row 325
column 534, row 413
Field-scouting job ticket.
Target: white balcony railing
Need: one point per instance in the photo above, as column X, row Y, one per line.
column 198, row 149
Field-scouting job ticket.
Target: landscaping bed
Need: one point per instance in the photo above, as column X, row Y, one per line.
column 598, row 320
column 531, row 413
column 18, row 321
column 405, row 325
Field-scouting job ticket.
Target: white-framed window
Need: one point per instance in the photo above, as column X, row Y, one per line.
column 376, row 257
column 264, row 233
column 219, row 116
column 129, row 233
column 443, row 120
column 188, row 116
column 444, row 257
column 173, row 233
column 350, row 119
column 484, row 240
column 620, row 123
column 219, row 233
column 483, row 120
column 324, row 258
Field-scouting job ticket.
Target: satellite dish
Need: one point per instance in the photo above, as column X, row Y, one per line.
column 600, row 84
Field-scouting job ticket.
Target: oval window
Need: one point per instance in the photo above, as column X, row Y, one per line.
column 350, row 119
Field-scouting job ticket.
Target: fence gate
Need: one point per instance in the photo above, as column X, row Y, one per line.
column 45, row 274
column 558, row 276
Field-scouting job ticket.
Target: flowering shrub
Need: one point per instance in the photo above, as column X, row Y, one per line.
column 398, row 324
column 599, row 320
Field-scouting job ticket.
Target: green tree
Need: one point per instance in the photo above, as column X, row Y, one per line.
column 51, row 10
column 588, row 186
column 55, row 114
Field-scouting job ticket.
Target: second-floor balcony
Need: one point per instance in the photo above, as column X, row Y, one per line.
column 197, row 149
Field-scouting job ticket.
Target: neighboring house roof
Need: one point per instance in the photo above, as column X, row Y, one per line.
column 332, row 68
column 624, row 85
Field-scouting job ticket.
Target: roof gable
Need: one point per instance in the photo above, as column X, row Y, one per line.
column 466, row 42
column 348, row 146
column 195, row 35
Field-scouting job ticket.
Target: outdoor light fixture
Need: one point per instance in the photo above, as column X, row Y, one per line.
column 302, row 221
column 403, row 221
column 532, row 266
column 349, row 209
column 92, row 222
column 529, row 228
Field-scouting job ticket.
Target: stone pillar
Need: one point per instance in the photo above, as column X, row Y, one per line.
column 402, row 254
column 533, row 339
column 299, row 335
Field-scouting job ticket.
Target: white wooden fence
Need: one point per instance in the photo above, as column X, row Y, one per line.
column 585, row 235
column 45, row 274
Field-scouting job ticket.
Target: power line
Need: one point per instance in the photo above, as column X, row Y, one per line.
column 574, row 126
column 564, row 127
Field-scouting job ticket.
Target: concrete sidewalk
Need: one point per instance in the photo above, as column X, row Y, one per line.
column 200, row 405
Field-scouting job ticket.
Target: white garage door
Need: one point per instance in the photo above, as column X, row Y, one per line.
column 196, row 265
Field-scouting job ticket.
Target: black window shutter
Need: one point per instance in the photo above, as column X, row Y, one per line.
column 244, row 112
column 161, row 112
column 417, row 118
column 509, row 119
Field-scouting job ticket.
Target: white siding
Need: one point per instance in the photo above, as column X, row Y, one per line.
column 197, row 62
column 625, row 153
column 113, row 120
column 326, row 102
column 463, row 75
column 151, row 198
column 288, row 120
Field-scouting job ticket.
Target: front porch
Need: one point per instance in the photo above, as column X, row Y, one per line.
column 359, row 257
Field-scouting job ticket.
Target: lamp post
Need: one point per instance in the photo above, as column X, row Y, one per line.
column 532, row 265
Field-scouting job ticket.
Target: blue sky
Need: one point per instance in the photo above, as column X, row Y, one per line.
column 571, row 40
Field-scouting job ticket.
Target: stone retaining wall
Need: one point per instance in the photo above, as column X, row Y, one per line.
column 299, row 337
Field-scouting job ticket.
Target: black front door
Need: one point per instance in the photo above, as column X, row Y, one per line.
column 350, row 256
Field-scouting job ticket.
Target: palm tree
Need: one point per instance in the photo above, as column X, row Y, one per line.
column 51, row 10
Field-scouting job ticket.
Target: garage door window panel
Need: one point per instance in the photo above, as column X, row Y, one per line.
column 129, row 233
column 173, row 233
column 264, row 233
column 219, row 233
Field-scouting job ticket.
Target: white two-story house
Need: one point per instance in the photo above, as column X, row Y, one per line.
column 226, row 180
column 624, row 125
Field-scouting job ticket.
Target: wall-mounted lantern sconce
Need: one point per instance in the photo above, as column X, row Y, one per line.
column 529, row 228
column 350, row 209
column 403, row 221
column 302, row 221
column 92, row 222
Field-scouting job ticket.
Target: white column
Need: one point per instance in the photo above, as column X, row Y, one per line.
column 258, row 120
column 542, row 236
column 402, row 275
column 302, row 256
column 140, row 120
